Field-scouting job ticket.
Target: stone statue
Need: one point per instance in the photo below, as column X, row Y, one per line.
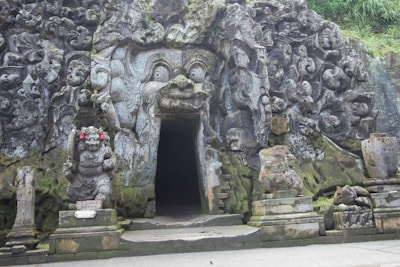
column 90, row 164
column 24, row 231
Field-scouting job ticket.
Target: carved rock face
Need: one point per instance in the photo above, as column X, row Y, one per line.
column 229, row 66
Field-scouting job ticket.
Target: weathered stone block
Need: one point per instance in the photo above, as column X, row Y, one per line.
column 18, row 249
column 387, row 220
column 279, row 125
column 76, row 235
column 287, row 218
column 282, row 206
column 289, row 231
column 386, row 200
column 353, row 219
column 85, row 242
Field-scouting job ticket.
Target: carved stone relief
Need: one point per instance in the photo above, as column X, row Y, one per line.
column 229, row 67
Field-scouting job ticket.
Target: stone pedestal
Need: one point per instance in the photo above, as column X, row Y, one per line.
column 387, row 211
column 286, row 218
column 86, row 231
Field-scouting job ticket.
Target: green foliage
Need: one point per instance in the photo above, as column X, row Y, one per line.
column 375, row 11
column 330, row 10
column 378, row 12
column 374, row 22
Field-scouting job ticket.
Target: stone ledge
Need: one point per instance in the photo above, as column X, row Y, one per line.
column 125, row 250
column 283, row 218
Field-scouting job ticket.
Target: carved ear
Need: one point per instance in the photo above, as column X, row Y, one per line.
column 339, row 189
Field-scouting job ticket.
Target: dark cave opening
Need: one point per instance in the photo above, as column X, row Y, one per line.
column 177, row 183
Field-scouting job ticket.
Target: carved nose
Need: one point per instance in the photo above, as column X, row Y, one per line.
column 182, row 82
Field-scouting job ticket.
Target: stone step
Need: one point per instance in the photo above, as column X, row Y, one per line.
column 190, row 239
column 184, row 221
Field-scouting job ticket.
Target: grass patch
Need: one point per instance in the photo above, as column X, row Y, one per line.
column 374, row 22
column 378, row 44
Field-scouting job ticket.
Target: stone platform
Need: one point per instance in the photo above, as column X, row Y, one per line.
column 194, row 233
column 147, row 242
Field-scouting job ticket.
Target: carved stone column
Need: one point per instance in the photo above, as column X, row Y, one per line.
column 23, row 233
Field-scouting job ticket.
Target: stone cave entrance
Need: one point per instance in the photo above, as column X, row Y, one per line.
column 177, row 182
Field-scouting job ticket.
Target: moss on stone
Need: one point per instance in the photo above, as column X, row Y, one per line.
column 322, row 202
column 50, row 188
column 334, row 166
column 241, row 185
column 324, row 206
column 134, row 200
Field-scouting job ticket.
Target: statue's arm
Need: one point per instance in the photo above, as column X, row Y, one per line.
column 69, row 170
column 109, row 159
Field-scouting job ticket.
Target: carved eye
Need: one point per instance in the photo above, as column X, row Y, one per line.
column 161, row 74
column 81, row 136
column 197, row 74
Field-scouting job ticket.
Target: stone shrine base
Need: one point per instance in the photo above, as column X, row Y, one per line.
column 387, row 211
column 286, row 218
column 86, row 231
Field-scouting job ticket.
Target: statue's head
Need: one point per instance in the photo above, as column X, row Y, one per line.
column 77, row 72
column 91, row 138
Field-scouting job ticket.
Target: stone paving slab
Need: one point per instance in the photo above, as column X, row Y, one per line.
column 365, row 254
column 192, row 220
column 195, row 233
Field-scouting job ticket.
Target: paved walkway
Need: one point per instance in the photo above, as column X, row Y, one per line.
column 366, row 254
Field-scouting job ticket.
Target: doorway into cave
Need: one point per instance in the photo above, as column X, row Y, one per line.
column 176, row 182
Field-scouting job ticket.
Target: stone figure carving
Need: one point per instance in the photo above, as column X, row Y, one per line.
column 24, row 231
column 90, row 164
